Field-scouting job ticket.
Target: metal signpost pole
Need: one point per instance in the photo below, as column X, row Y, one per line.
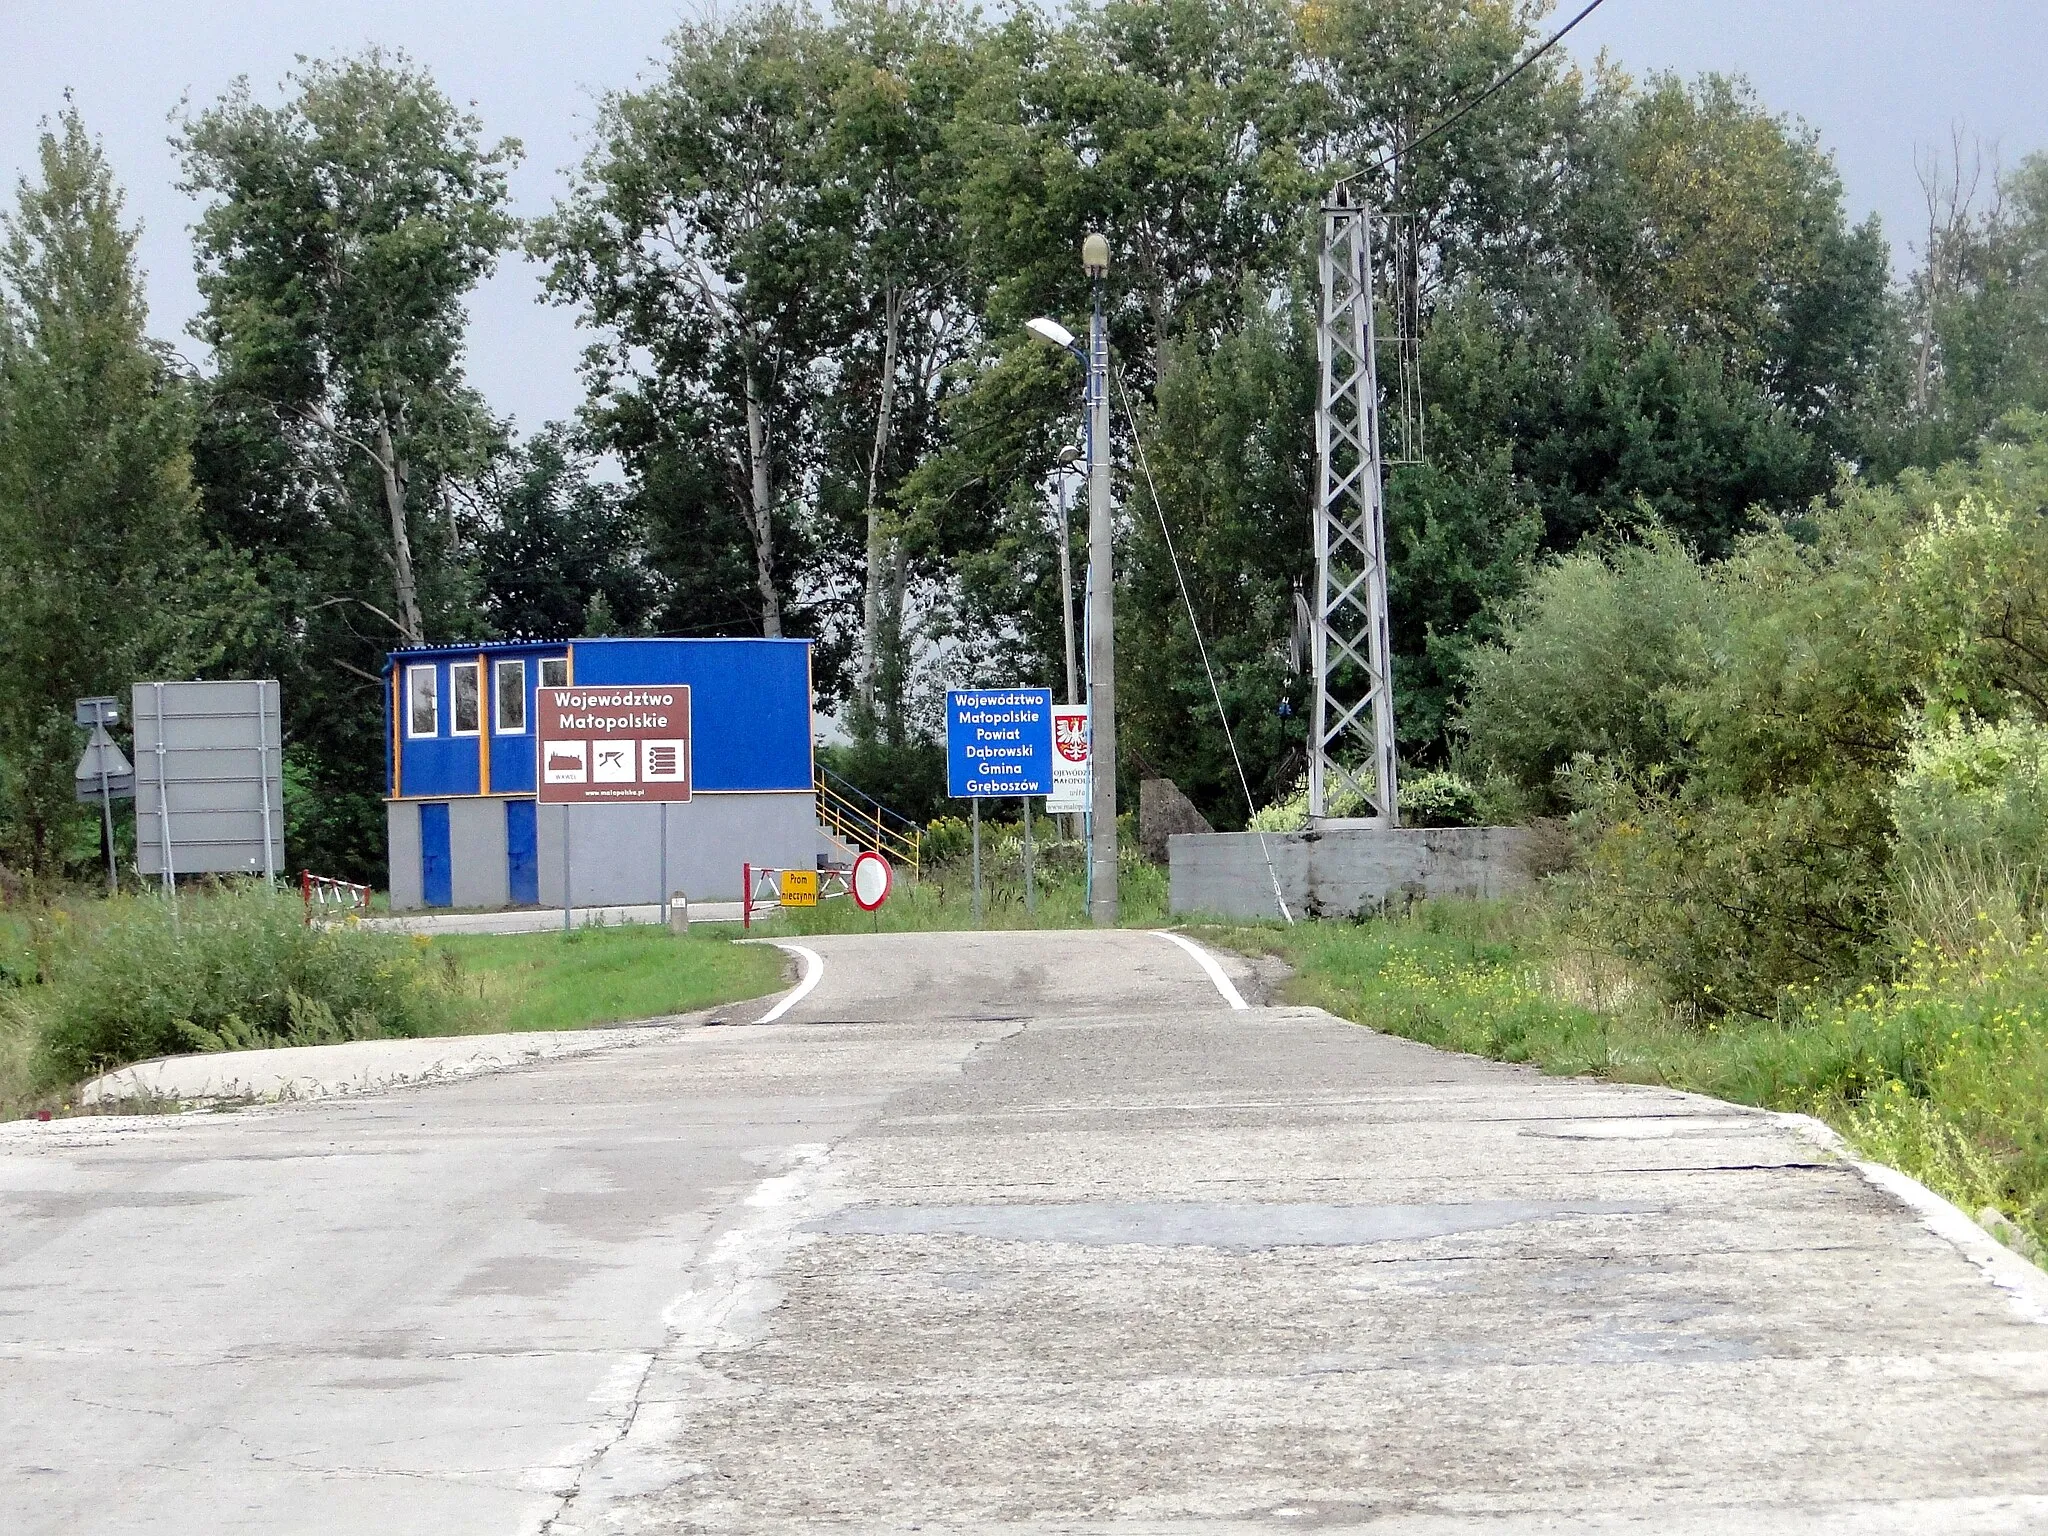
column 976, row 814
column 1102, row 855
column 1067, row 614
column 107, row 826
column 263, row 781
column 565, row 868
column 1030, row 891
column 163, row 807
column 661, row 901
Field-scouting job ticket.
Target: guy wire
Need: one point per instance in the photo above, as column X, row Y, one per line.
column 1201, row 645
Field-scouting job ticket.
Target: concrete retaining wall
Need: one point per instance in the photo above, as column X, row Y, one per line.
column 1343, row 871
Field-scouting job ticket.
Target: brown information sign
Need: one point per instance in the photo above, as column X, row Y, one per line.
column 625, row 745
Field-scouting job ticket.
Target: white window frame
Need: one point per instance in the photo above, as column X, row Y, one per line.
column 412, row 719
column 554, row 661
column 475, row 670
column 499, row 668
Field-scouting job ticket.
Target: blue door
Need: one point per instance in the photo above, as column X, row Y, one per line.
column 522, row 851
column 437, row 870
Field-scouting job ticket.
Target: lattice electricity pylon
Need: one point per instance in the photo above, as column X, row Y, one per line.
column 1351, row 733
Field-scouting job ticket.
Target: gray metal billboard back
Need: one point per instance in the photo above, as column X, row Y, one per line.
column 212, row 754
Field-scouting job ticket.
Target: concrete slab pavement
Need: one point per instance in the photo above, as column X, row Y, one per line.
column 1020, row 1233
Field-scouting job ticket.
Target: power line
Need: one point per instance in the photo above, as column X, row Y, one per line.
column 1492, row 90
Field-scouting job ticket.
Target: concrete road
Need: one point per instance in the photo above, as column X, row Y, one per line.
column 1020, row 1233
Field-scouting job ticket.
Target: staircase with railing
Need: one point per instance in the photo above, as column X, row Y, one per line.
column 856, row 821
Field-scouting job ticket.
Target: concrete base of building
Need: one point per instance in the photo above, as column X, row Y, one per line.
column 1342, row 871
column 612, row 853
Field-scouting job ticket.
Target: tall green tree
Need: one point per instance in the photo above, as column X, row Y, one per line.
column 102, row 579
column 557, row 542
column 1230, row 447
column 343, row 231
column 340, row 445
column 1982, row 295
column 906, row 315
column 702, row 242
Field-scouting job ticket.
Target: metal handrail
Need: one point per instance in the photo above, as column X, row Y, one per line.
column 847, row 790
column 864, row 829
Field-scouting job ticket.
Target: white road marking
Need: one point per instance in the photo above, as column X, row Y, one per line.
column 1208, row 963
column 814, row 972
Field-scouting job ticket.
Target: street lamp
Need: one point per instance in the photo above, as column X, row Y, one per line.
column 1102, row 852
column 1101, row 604
column 1057, row 334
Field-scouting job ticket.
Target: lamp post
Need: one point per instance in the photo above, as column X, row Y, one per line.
column 1065, row 460
column 1101, row 605
column 1102, row 850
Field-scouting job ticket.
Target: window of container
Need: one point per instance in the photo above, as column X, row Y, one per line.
column 554, row 672
column 464, row 686
column 508, row 686
column 423, row 701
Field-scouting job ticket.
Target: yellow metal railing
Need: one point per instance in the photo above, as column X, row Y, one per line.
column 860, row 823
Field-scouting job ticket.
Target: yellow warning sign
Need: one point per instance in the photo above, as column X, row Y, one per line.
column 799, row 887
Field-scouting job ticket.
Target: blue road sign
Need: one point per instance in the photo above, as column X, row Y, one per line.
column 998, row 742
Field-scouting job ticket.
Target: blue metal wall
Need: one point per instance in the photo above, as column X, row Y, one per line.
column 750, row 703
column 750, row 713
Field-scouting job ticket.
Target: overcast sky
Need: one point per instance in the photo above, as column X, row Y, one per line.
column 1876, row 77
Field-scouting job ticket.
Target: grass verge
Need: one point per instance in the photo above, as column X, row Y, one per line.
column 593, row 976
column 1942, row 1073
column 97, row 984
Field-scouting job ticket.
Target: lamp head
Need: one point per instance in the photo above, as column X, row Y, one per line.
column 1052, row 331
column 1068, row 455
column 1095, row 255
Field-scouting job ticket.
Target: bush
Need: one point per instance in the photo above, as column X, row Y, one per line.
column 1728, row 900
column 1975, row 785
column 1435, row 797
column 947, row 838
column 237, row 969
column 1438, row 798
column 1588, row 662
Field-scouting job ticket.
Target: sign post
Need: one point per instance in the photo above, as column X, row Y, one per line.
column 626, row 744
column 104, row 773
column 998, row 743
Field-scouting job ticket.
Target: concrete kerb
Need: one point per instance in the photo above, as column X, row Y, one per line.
column 287, row 1074
column 549, row 919
column 2025, row 1285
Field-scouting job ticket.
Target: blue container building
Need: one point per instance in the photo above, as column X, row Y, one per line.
column 459, row 759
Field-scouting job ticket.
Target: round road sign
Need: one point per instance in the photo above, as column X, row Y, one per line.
column 871, row 880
